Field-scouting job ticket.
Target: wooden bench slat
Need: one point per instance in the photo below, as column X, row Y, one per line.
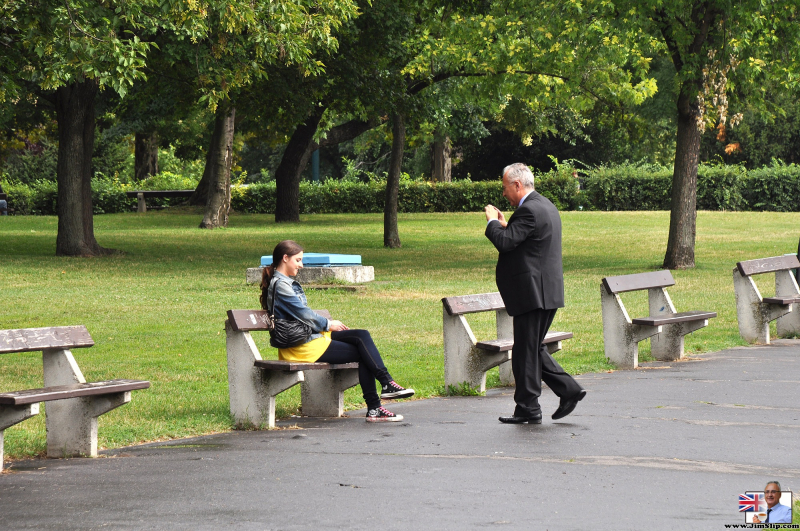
column 250, row 320
column 782, row 300
column 681, row 317
column 504, row 345
column 160, row 193
column 638, row 281
column 280, row 365
column 60, row 392
column 768, row 265
column 481, row 302
column 32, row 339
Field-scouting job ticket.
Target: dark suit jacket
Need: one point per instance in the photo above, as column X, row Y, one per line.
column 529, row 271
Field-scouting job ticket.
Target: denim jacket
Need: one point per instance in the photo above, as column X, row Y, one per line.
column 291, row 303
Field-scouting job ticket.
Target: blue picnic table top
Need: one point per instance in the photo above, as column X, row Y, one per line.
column 322, row 260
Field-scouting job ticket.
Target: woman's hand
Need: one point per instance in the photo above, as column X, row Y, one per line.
column 337, row 326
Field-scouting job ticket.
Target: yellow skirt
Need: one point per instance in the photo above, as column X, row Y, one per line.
column 307, row 352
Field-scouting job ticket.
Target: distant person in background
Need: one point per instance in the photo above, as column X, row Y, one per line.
column 776, row 513
column 3, row 203
column 331, row 341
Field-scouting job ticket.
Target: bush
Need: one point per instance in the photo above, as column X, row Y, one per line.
column 628, row 187
column 32, row 165
column 774, row 188
column 624, row 187
column 719, row 187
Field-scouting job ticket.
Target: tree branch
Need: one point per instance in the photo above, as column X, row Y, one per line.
column 69, row 12
column 662, row 21
column 346, row 131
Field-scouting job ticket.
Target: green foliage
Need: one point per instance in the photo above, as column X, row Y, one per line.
column 720, row 187
column 774, row 188
column 462, row 389
column 629, row 187
column 28, row 166
column 623, row 187
column 561, row 185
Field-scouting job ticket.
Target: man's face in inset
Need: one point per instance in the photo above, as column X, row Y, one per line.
column 772, row 494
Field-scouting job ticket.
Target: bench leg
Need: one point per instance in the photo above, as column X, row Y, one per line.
column 505, row 330
column 142, row 207
column 620, row 336
column 72, row 423
column 322, row 392
column 785, row 286
column 463, row 362
column 668, row 345
column 754, row 315
column 252, row 390
column 10, row 415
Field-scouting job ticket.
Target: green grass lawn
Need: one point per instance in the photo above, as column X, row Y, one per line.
column 157, row 311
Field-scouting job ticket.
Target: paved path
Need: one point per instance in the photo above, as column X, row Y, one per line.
column 668, row 446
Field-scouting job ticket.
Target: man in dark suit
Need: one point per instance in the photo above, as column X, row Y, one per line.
column 531, row 281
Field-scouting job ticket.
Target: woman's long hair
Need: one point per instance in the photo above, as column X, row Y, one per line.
column 286, row 247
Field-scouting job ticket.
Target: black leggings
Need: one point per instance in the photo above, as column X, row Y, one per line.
column 348, row 346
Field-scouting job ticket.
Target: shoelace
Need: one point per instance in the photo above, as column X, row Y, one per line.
column 393, row 385
column 385, row 411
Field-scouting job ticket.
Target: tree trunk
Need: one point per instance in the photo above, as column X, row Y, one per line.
column 145, row 161
column 391, row 236
column 200, row 195
column 76, row 124
column 294, row 160
column 218, row 203
column 683, row 212
column 441, row 163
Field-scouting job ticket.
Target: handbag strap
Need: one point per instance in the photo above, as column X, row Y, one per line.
column 272, row 285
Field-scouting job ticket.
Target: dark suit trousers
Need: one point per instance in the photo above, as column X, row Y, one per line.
column 531, row 363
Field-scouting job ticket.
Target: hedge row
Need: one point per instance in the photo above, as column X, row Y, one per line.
column 774, row 188
column 108, row 197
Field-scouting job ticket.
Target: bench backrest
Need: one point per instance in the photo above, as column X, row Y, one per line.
column 31, row 339
column 638, row 281
column 248, row 320
column 768, row 265
column 482, row 302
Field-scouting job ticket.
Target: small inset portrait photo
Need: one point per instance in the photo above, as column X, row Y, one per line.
column 770, row 506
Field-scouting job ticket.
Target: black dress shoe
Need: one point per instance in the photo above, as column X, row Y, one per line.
column 535, row 419
column 567, row 405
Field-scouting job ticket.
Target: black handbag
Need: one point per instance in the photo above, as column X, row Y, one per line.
column 287, row 333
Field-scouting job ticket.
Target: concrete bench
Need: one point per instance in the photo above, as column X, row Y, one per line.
column 72, row 417
column 465, row 358
column 142, row 195
column 755, row 312
column 254, row 383
column 665, row 326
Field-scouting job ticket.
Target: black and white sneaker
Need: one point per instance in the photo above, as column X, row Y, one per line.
column 382, row 415
column 392, row 390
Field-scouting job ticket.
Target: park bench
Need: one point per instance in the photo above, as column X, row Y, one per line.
column 466, row 360
column 755, row 312
column 665, row 326
column 254, row 383
column 71, row 418
column 142, row 195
